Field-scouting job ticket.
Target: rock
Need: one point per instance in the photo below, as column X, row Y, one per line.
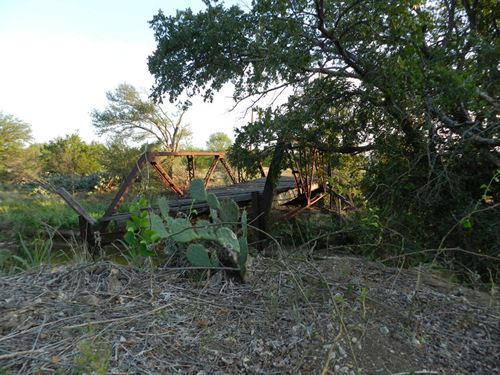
column 384, row 330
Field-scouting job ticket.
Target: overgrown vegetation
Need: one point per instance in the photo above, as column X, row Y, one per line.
column 411, row 86
column 401, row 97
column 207, row 244
column 31, row 215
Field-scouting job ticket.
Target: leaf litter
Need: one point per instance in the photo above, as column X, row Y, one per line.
column 336, row 315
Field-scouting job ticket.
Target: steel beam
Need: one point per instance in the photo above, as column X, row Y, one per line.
column 211, row 170
column 191, row 167
column 167, row 180
column 186, row 153
column 228, row 170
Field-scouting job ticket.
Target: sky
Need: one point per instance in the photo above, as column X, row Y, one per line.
column 60, row 57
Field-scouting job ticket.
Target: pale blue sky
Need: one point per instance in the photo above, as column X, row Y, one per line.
column 114, row 20
column 59, row 57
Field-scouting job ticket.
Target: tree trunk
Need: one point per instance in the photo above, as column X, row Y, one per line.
column 273, row 176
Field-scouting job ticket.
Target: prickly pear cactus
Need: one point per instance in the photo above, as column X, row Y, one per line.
column 222, row 228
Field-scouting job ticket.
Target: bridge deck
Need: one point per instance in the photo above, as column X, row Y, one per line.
column 241, row 193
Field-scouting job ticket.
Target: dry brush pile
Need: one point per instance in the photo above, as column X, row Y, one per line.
column 338, row 315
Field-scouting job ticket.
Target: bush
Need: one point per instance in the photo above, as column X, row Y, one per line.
column 451, row 215
column 71, row 182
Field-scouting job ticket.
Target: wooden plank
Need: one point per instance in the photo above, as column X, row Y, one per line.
column 70, row 201
column 86, row 233
column 122, row 192
column 240, row 193
column 185, row 206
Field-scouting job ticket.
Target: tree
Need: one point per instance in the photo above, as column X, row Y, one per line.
column 353, row 65
column 71, row 155
column 218, row 141
column 14, row 135
column 131, row 117
column 119, row 158
column 415, row 81
column 70, row 159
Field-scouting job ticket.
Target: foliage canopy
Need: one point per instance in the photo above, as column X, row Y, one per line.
column 218, row 141
column 14, row 135
column 71, row 155
column 416, row 82
column 130, row 117
column 421, row 71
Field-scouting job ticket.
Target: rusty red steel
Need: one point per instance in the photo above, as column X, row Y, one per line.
column 307, row 171
column 155, row 159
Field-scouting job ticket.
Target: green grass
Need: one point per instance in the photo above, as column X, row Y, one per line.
column 30, row 222
column 29, row 215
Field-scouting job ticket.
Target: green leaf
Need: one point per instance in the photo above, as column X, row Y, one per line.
column 230, row 211
column 182, row 231
column 158, row 226
column 131, row 226
column 243, row 254
column 228, row 239
column 164, row 207
column 197, row 255
column 141, row 221
column 214, row 259
column 244, row 224
column 213, row 202
column 466, row 223
column 197, row 190
column 145, row 252
column 129, row 238
column 206, row 230
column 150, row 235
column 214, row 214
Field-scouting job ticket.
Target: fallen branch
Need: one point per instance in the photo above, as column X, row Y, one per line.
column 131, row 317
column 18, row 354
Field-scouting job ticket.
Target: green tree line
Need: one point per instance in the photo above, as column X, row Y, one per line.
column 23, row 161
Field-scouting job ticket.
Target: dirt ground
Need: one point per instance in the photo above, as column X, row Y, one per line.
column 335, row 315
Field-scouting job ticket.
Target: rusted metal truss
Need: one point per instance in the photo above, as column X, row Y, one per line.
column 191, row 167
column 308, row 169
column 155, row 160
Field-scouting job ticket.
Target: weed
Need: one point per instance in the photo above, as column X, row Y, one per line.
column 93, row 356
column 29, row 255
column 78, row 252
column 362, row 298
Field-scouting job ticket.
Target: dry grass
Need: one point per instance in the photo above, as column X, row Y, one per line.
column 337, row 315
